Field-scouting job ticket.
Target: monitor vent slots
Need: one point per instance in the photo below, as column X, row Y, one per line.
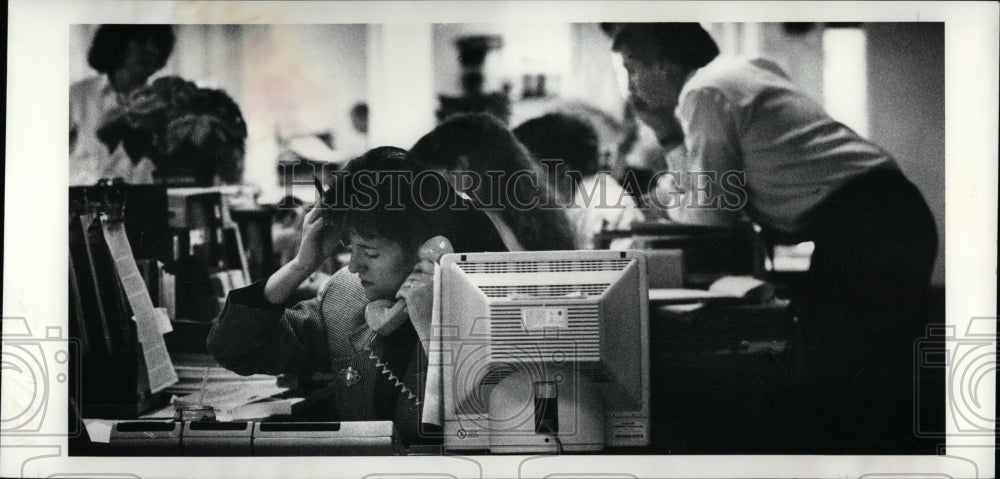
column 580, row 342
column 568, row 266
column 496, row 375
column 546, row 290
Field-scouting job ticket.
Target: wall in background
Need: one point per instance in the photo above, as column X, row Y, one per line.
column 906, row 104
column 799, row 54
column 401, row 90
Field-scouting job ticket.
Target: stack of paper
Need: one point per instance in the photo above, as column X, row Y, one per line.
column 244, row 400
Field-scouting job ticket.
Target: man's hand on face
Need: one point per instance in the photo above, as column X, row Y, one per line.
column 661, row 121
column 654, row 91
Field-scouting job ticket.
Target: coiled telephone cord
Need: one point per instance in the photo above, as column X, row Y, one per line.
column 384, row 369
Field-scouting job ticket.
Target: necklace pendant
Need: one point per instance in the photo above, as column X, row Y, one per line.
column 350, row 376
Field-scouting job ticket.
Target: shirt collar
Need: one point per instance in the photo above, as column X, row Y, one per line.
column 104, row 85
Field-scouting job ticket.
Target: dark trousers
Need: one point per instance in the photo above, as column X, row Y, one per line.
column 860, row 311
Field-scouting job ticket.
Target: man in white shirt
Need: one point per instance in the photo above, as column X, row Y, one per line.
column 804, row 177
column 125, row 56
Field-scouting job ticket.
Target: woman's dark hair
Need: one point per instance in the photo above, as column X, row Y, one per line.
column 480, row 143
column 107, row 50
column 558, row 136
column 384, row 194
column 564, row 137
column 686, row 44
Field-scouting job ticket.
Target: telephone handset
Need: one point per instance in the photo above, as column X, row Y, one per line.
column 385, row 316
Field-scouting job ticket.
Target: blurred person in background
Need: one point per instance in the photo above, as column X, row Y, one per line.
column 125, row 56
column 595, row 201
column 521, row 206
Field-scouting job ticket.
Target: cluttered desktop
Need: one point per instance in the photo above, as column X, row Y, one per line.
column 533, row 352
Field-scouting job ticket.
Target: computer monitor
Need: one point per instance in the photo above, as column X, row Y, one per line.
column 544, row 351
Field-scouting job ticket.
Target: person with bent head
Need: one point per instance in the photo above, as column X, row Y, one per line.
column 258, row 332
column 596, row 201
column 806, row 177
column 125, row 56
column 486, row 163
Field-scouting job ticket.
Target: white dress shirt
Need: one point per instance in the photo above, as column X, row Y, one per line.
column 746, row 115
column 89, row 159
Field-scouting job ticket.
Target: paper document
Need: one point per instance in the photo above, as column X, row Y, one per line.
column 227, row 395
column 241, row 400
column 680, row 295
column 159, row 367
column 99, row 430
column 729, row 288
column 433, row 392
column 743, row 287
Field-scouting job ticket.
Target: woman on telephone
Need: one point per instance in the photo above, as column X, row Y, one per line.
column 258, row 332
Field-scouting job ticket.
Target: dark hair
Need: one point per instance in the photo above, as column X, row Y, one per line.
column 567, row 138
column 485, row 144
column 107, row 50
column 562, row 137
column 379, row 184
column 686, row 44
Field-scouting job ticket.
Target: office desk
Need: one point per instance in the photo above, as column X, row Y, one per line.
column 716, row 376
column 709, row 252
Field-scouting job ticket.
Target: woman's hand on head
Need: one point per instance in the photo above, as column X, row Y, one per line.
column 319, row 238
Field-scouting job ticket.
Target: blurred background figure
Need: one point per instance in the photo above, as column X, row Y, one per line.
column 355, row 142
column 595, row 201
column 474, row 144
column 125, row 56
column 359, row 118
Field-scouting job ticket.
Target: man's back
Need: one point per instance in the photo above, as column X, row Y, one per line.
column 746, row 115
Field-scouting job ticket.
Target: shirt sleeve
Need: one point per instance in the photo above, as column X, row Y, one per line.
column 253, row 336
column 711, row 149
